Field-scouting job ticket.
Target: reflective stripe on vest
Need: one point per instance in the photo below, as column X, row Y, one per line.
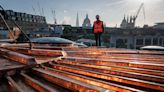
column 98, row 27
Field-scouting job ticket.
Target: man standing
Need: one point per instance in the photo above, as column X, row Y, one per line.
column 98, row 29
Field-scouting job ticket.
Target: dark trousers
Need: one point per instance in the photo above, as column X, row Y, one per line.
column 98, row 39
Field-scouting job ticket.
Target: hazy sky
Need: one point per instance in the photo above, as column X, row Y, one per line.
column 111, row 11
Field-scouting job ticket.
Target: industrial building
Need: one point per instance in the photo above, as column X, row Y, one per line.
column 136, row 38
column 27, row 22
column 159, row 25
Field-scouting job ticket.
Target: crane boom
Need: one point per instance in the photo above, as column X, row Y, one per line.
column 139, row 10
column 54, row 16
column 144, row 13
column 136, row 16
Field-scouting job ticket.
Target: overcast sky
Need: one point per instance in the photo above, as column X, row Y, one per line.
column 111, row 11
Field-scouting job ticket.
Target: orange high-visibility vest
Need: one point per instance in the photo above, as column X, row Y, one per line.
column 98, row 27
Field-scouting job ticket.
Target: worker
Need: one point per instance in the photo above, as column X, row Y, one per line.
column 98, row 29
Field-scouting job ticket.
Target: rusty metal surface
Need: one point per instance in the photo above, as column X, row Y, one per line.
column 40, row 55
column 136, row 64
column 36, row 84
column 121, row 57
column 63, row 68
column 67, row 82
column 108, row 85
column 116, row 72
column 37, row 52
column 113, row 51
column 115, row 68
column 6, row 65
column 110, row 77
column 14, row 85
column 15, row 56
